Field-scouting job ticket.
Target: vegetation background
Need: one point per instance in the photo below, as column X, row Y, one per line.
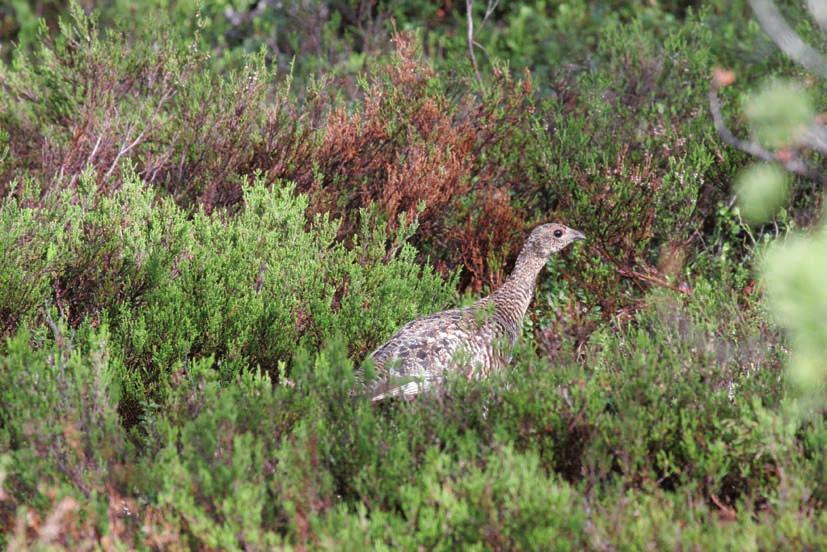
column 213, row 210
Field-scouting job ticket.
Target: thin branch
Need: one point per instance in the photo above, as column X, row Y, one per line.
column 653, row 277
column 469, row 11
column 649, row 276
column 88, row 161
column 489, row 9
column 814, row 137
column 786, row 38
column 818, row 9
column 58, row 335
column 94, row 150
column 483, row 48
column 789, row 159
column 126, row 148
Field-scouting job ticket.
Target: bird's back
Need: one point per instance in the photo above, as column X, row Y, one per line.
column 474, row 340
column 423, row 350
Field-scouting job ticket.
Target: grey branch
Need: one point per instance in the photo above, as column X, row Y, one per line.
column 489, row 9
column 786, row 38
column 790, row 160
column 818, row 8
column 469, row 9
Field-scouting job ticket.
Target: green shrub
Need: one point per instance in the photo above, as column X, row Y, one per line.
column 666, row 426
column 476, row 168
column 199, row 246
column 60, row 409
column 246, row 290
column 213, row 464
column 65, row 447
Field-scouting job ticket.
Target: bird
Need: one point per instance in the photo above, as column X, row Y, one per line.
column 472, row 341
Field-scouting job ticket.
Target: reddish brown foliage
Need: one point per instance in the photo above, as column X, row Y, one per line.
column 407, row 145
column 69, row 524
column 494, row 232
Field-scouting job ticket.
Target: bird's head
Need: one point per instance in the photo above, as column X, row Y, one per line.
column 550, row 238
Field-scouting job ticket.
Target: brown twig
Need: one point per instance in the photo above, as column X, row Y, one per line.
column 654, row 278
column 651, row 276
column 727, row 513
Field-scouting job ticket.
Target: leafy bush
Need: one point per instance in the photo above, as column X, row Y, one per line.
column 475, row 168
column 785, row 130
column 246, row 289
column 669, row 424
column 60, row 425
column 201, row 244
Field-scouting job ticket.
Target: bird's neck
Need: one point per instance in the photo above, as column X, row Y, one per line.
column 512, row 299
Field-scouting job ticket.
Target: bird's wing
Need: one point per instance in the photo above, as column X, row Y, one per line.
column 403, row 387
column 415, row 357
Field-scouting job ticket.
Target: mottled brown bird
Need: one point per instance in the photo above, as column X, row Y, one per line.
column 474, row 340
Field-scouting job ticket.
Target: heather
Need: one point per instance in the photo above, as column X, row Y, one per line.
column 210, row 214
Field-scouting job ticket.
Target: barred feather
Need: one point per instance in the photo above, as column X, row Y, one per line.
column 472, row 341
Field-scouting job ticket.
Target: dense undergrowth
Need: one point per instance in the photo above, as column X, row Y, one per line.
column 209, row 221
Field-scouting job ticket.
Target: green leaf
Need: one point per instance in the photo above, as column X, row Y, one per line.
column 762, row 189
column 779, row 113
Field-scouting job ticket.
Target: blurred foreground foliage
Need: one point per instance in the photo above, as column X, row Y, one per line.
column 211, row 215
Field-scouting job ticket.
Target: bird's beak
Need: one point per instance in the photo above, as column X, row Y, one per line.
column 577, row 235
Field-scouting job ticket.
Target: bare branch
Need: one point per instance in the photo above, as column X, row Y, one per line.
column 483, row 48
column 489, row 9
column 788, row 159
column 815, row 137
column 818, row 9
column 786, row 38
column 469, row 10
column 127, row 146
column 61, row 343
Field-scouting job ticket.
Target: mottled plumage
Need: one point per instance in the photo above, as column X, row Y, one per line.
column 474, row 340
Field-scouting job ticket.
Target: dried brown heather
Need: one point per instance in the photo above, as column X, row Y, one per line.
column 406, row 142
column 408, row 145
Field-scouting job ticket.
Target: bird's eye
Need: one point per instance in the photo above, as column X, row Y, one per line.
column 558, row 233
